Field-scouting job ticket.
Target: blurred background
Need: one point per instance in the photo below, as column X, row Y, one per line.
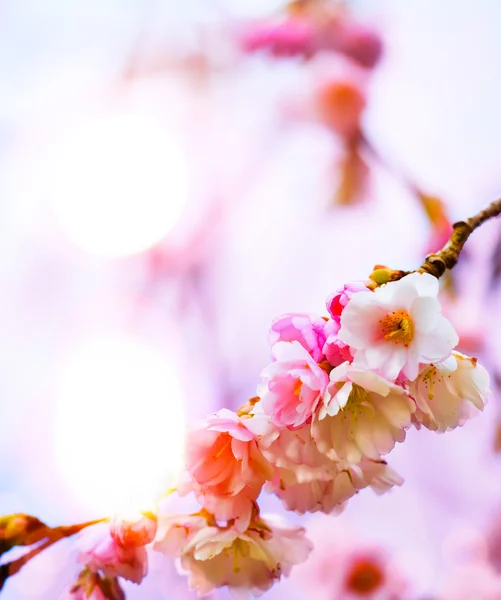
column 173, row 176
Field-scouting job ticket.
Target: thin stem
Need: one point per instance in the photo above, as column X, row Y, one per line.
column 53, row 536
column 436, row 264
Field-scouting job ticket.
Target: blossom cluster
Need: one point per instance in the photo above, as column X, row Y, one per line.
column 340, row 392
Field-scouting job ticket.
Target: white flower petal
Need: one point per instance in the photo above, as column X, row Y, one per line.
column 425, row 313
column 438, row 344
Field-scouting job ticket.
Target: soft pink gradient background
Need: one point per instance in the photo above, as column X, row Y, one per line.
column 258, row 239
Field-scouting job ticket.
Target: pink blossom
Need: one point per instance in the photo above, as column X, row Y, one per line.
column 137, row 530
column 296, row 451
column 176, row 530
column 397, row 327
column 290, row 37
column 226, row 467
column 307, row 480
column 246, row 562
column 356, row 41
column 100, row 552
column 300, row 36
column 334, row 350
column 308, row 330
column 448, row 394
column 291, row 387
column 329, row 494
column 336, row 302
column 362, row 415
column 346, row 568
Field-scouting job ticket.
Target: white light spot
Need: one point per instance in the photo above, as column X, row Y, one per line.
column 119, row 185
column 120, row 421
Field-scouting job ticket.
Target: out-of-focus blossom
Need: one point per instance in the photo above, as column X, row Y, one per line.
column 246, row 562
column 302, row 35
column 308, row 330
column 291, row 37
column 337, row 301
column 99, row 551
column 493, row 542
column 463, row 313
column 292, row 386
column 345, row 568
column 448, row 394
column 471, row 582
column 356, row 41
column 362, row 415
column 397, row 327
column 226, row 466
column 138, row 530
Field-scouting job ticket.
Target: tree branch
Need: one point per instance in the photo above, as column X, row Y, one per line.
column 436, row 264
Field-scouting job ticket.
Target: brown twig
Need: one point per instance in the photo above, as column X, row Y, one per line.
column 53, row 535
column 438, row 263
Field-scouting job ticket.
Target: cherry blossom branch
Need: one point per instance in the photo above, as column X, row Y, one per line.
column 439, row 262
column 436, row 264
column 47, row 536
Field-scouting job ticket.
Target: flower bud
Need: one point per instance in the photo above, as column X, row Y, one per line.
column 340, row 103
column 133, row 531
column 20, row 530
column 92, row 586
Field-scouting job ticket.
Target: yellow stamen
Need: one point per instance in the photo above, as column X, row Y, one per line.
column 398, row 327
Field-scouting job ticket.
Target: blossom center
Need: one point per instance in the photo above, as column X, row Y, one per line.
column 357, row 399
column 240, row 550
column 365, row 577
column 398, row 327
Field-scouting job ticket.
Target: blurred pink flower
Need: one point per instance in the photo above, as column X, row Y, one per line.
column 397, row 327
column 448, row 394
column 247, row 562
column 362, row 415
column 301, row 35
column 225, row 464
column 291, row 37
column 337, row 301
column 291, row 387
column 100, row 552
column 134, row 531
column 356, row 41
column 308, row 330
column 345, row 568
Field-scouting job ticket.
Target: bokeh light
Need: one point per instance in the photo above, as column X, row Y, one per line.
column 119, row 184
column 119, row 424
